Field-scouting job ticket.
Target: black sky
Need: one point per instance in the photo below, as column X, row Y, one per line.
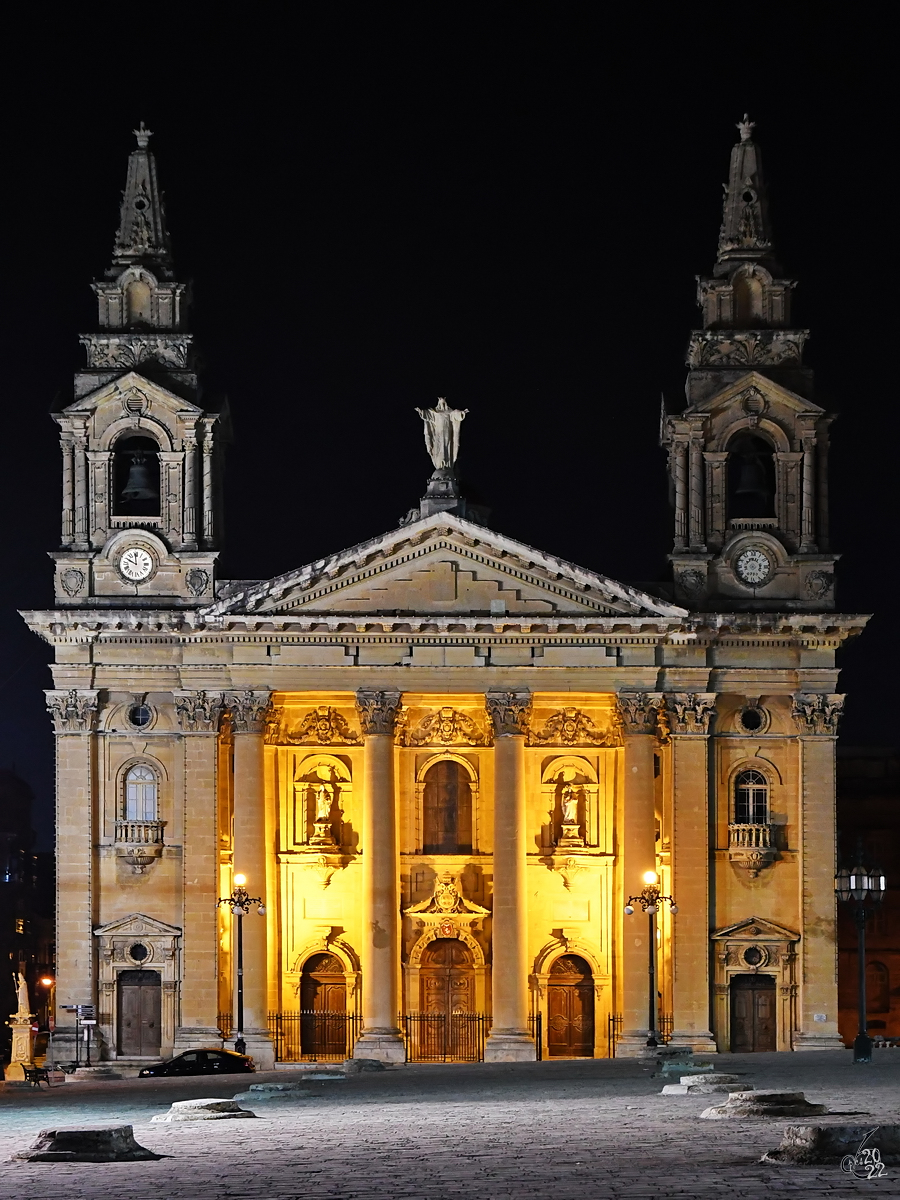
column 503, row 204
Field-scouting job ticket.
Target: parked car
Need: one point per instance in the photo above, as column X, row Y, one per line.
column 203, row 1062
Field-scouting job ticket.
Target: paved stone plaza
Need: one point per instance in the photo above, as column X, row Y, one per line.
column 563, row 1129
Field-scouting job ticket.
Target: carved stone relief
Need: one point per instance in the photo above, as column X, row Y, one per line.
column 377, row 711
column 690, row 712
column 510, row 712
column 198, row 712
column 73, row 711
column 444, row 727
column 322, row 726
column 572, row 727
column 816, row 713
column 642, row 712
column 249, row 711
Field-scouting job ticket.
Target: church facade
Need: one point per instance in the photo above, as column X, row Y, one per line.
column 444, row 761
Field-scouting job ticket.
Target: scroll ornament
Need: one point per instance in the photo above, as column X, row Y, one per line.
column 199, row 712
column 643, row 712
column 73, row 711
column 817, row 713
column 323, row 726
column 249, row 711
column 377, row 711
column 510, row 712
column 572, row 727
column 445, row 727
column 690, row 712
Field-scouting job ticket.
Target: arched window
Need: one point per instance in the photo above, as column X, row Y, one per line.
column 748, row 301
column 136, row 477
column 138, row 303
column 141, row 794
column 751, row 798
column 751, row 477
column 878, row 987
column 448, row 809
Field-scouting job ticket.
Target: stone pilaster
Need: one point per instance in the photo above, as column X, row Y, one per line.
column 249, row 714
column 816, row 717
column 640, row 713
column 509, row 1039
column 689, row 716
column 74, row 715
column 380, row 948
column 198, row 715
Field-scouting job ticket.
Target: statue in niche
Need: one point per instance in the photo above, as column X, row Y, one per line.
column 323, row 802
column 569, row 796
column 569, row 801
column 442, row 433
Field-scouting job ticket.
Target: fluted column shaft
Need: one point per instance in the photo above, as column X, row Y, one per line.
column 509, row 1039
column 380, row 949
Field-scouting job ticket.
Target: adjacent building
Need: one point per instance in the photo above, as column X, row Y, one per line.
column 442, row 758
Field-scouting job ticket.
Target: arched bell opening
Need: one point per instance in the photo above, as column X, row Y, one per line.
column 748, row 301
column 751, row 477
column 136, row 490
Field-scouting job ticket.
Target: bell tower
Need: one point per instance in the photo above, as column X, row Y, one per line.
column 748, row 455
column 141, row 445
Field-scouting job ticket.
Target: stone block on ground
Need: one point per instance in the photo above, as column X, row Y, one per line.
column 203, row 1110
column 707, row 1084
column 354, row 1066
column 749, row 1103
column 86, row 1143
column 274, row 1091
column 812, row 1145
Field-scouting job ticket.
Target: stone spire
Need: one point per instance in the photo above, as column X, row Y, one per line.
column 746, row 233
column 142, row 236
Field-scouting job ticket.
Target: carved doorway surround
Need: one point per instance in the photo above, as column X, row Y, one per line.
column 755, row 947
column 137, row 943
column 570, row 1008
column 571, row 946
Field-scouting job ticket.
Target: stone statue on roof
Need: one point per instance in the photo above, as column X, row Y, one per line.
column 442, row 433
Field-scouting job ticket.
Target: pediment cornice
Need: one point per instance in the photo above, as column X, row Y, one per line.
column 118, row 389
column 773, row 392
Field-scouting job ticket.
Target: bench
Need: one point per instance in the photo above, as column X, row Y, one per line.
column 36, row 1076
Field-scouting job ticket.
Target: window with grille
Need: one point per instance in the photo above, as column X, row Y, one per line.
column 141, row 794
column 751, row 798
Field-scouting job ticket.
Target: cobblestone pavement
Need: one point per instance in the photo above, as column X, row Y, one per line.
column 561, row 1130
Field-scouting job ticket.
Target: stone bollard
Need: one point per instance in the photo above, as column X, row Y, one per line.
column 203, row 1110
column 704, row 1085
column 86, row 1143
column 764, row 1104
column 812, row 1145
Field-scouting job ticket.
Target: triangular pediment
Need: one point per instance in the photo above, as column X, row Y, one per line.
column 440, row 565
column 774, row 393
column 137, row 924
column 756, row 929
column 137, row 388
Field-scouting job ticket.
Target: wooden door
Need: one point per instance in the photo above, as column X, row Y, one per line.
column 570, row 1008
column 140, row 1006
column 323, row 1008
column 447, row 1000
column 753, row 1018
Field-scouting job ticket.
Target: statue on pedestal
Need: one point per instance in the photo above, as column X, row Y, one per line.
column 22, row 1053
column 442, row 433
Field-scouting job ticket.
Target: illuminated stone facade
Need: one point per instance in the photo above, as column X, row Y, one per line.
column 445, row 759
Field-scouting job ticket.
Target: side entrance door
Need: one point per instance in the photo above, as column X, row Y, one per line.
column 323, row 1008
column 447, row 1027
column 753, row 1021
column 140, row 995
column 570, row 1008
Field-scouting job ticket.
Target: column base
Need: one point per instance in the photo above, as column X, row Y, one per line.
column 197, row 1037
column 818, row 1041
column 385, row 1046
column 509, row 1047
column 634, row 1045
column 701, row 1042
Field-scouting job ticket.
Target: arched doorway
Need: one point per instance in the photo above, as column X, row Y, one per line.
column 753, row 1019
column 323, row 1008
column 446, row 1028
column 139, row 1008
column 570, row 1008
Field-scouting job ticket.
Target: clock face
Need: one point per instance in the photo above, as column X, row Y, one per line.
column 136, row 564
column 753, row 566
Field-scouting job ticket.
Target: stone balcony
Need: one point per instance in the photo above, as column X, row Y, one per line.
column 751, row 847
column 139, row 843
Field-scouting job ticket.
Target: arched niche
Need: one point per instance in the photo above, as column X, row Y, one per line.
column 550, row 953
column 324, row 943
column 751, row 476
column 136, row 484
column 468, row 771
column 569, row 780
column 322, row 793
column 748, row 299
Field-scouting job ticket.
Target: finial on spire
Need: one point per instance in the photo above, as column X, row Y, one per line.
column 746, row 128
column 144, row 135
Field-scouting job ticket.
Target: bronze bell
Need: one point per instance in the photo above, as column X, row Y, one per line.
column 139, row 484
column 751, row 477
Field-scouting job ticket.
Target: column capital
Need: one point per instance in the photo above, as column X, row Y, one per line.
column 199, row 712
column 249, row 710
column 689, row 713
column 817, row 713
column 377, row 711
column 641, row 712
column 74, row 711
column 509, row 711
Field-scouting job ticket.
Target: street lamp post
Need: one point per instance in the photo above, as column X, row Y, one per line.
column 240, row 901
column 858, row 886
column 650, row 899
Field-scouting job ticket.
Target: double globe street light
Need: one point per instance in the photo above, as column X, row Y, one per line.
column 864, row 888
column 650, row 900
column 240, row 902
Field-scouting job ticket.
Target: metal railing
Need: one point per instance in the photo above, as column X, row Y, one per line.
column 444, row 1037
column 307, row 1036
column 665, row 1025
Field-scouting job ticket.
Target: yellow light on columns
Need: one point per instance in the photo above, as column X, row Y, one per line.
column 240, row 880
column 651, row 877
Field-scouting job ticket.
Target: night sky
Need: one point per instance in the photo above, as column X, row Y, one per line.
column 502, row 204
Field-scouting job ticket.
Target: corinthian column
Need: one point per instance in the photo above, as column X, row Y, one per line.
column 509, row 1039
column 816, row 717
column 74, row 716
column 198, row 715
column 640, row 713
column 252, row 842
column 380, row 948
column 689, row 716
